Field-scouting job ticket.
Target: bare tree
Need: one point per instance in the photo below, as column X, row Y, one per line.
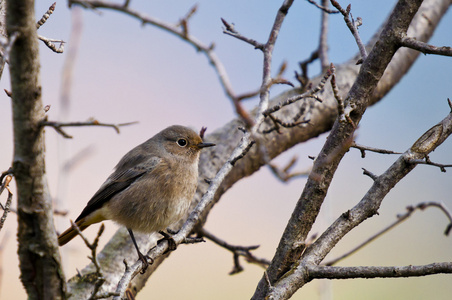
column 333, row 102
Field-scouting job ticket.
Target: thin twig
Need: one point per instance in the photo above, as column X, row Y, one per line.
column 230, row 30
column 46, row 16
column 244, row 251
column 370, row 174
column 308, row 94
column 6, row 208
column 424, row 47
column 241, row 155
column 294, row 122
column 427, row 161
column 324, row 7
column 51, row 44
column 303, row 78
column 353, row 26
column 57, row 125
column 400, row 218
column 183, row 23
column 100, row 279
column 363, row 150
column 284, row 174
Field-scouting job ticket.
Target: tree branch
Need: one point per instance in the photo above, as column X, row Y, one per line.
column 353, row 26
column 323, row 7
column 230, row 30
column 322, row 272
column 291, row 246
column 424, row 47
column 366, row 208
column 5, row 208
column 58, row 125
column 363, row 150
column 237, row 251
column 400, row 219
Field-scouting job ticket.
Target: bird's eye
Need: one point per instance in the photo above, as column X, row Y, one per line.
column 182, row 142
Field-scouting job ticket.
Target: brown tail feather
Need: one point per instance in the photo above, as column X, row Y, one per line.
column 71, row 233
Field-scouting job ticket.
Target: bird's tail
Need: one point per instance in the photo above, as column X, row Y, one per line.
column 71, row 233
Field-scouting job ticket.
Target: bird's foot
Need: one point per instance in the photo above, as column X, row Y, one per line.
column 171, row 243
column 144, row 259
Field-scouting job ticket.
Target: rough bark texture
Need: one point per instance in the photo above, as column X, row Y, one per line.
column 38, row 249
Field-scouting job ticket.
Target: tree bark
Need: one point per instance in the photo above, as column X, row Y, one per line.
column 39, row 257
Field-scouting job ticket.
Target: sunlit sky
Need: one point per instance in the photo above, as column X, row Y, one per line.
column 126, row 72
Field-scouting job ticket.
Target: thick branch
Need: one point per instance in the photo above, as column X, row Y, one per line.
column 308, row 206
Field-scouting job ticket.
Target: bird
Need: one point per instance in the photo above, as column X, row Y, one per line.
column 150, row 188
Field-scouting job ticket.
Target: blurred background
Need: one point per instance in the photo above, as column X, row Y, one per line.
column 124, row 72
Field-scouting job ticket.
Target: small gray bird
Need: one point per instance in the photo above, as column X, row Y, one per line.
column 151, row 188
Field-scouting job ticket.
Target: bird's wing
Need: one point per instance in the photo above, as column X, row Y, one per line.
column 117, row 182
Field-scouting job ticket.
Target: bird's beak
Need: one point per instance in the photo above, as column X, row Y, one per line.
column 205, row 145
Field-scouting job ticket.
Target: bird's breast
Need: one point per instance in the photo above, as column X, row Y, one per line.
column 157, row 199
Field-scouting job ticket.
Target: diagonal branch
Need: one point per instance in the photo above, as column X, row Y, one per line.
column 400, row 219
column 6, row 208
column 292, row 245
column 230, row 30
